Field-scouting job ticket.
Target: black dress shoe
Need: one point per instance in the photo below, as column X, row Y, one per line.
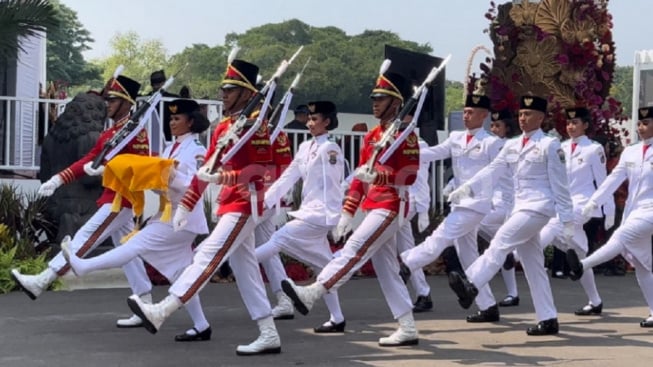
column 575, row 266
column 646, row 322
column 589, row 310
column 489, row 315
column 510, row 262
column 197, row 337
column 404, row 272
column 546, row 327
column 509, row 301
column 331, row 327
column 464, row 289
column 423, row 304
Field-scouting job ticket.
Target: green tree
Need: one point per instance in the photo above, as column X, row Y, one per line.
column 20, row 19
column 203, row 68
column 140, row 58
column 453, row 96
column 342, row 68
column 622, row 88
column 65, row 46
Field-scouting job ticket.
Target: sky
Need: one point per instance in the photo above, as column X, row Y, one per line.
column 449, row 26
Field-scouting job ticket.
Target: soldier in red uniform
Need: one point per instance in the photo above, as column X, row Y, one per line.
column 240, row 203
column 105, row 223
column 382, row 198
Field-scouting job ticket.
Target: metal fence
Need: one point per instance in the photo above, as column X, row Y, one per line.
column 24, row 121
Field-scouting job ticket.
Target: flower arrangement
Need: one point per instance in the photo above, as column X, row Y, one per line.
column 561, row 49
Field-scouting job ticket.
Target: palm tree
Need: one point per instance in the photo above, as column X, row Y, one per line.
column 20, row 19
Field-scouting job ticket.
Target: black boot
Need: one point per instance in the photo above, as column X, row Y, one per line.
column 491, row 314
column 575, row 266
column 589, row 310
column 404, row 272
column 423, row 304
column 546, row 327
column 464, row 289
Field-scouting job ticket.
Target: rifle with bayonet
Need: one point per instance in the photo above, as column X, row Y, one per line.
column 366, row 172
column 233, row 134
column 279, row 114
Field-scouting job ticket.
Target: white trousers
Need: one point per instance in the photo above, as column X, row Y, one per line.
column 487, row 230
column 405, row 242
column 272, row 265
column 375, row 239
column 102, row 225
column 233, row 239
column 459, row 229
column 307, row 243
column 632, row 235
column 520, row 232
column 551, row 234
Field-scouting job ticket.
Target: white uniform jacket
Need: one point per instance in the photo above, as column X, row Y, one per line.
column 189, row 155
column 467, row 160
column 504, row 193
column 420, row 192
column 586, row 171
column 638, row 170
column 539, row 175
column 319, row 162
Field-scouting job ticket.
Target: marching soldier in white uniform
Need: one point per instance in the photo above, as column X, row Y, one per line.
column 419, row 195
column 319, row 164
column 239, row 204
column 382, row 196
column 585, row 161
column 633, row 237
column 121, row 96
column 504, row 127
column 536, row 162
column 166, row 250
column 470, row 151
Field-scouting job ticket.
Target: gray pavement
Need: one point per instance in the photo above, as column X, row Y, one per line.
column 77, row 329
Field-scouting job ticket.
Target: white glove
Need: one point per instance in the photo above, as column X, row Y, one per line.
column 423, row 221
column 608, row 222
column 463, row 192
column 204, row 174
column 288, row 197
column 568, row 231
column 343, row 227
column 48, row 187
column 362, row 174
column 589, row 209
column 447, row 190
column 180, row 219
column 93, row 171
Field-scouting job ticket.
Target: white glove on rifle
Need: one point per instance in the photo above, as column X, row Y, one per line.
column 608, row 222
column 463, row 192
column 343, row 227
column 180, row 219
column 423, row 221
column 204, row 174
column 568, row 231
column 589, row 209
column 93, row 171
column 362, row 174
column 48, row 187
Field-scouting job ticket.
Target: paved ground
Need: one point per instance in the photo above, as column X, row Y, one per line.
column 77, row 329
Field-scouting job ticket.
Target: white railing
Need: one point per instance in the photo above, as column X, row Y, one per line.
column 20, row 151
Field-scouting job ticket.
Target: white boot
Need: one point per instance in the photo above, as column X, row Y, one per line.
column 34, row 285
column 134, row 320
column 153, row 315
column 406, row 334
column 268, row 341
column 284, row 309
column 303, row 297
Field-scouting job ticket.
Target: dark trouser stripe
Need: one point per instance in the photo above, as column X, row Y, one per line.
column 361, row 251
column 86, row 247
column 217, row 259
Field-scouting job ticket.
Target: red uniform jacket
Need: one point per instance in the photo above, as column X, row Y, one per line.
column 138, row 145
column 399, row 170
column 248, row 165
column 281, row 159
